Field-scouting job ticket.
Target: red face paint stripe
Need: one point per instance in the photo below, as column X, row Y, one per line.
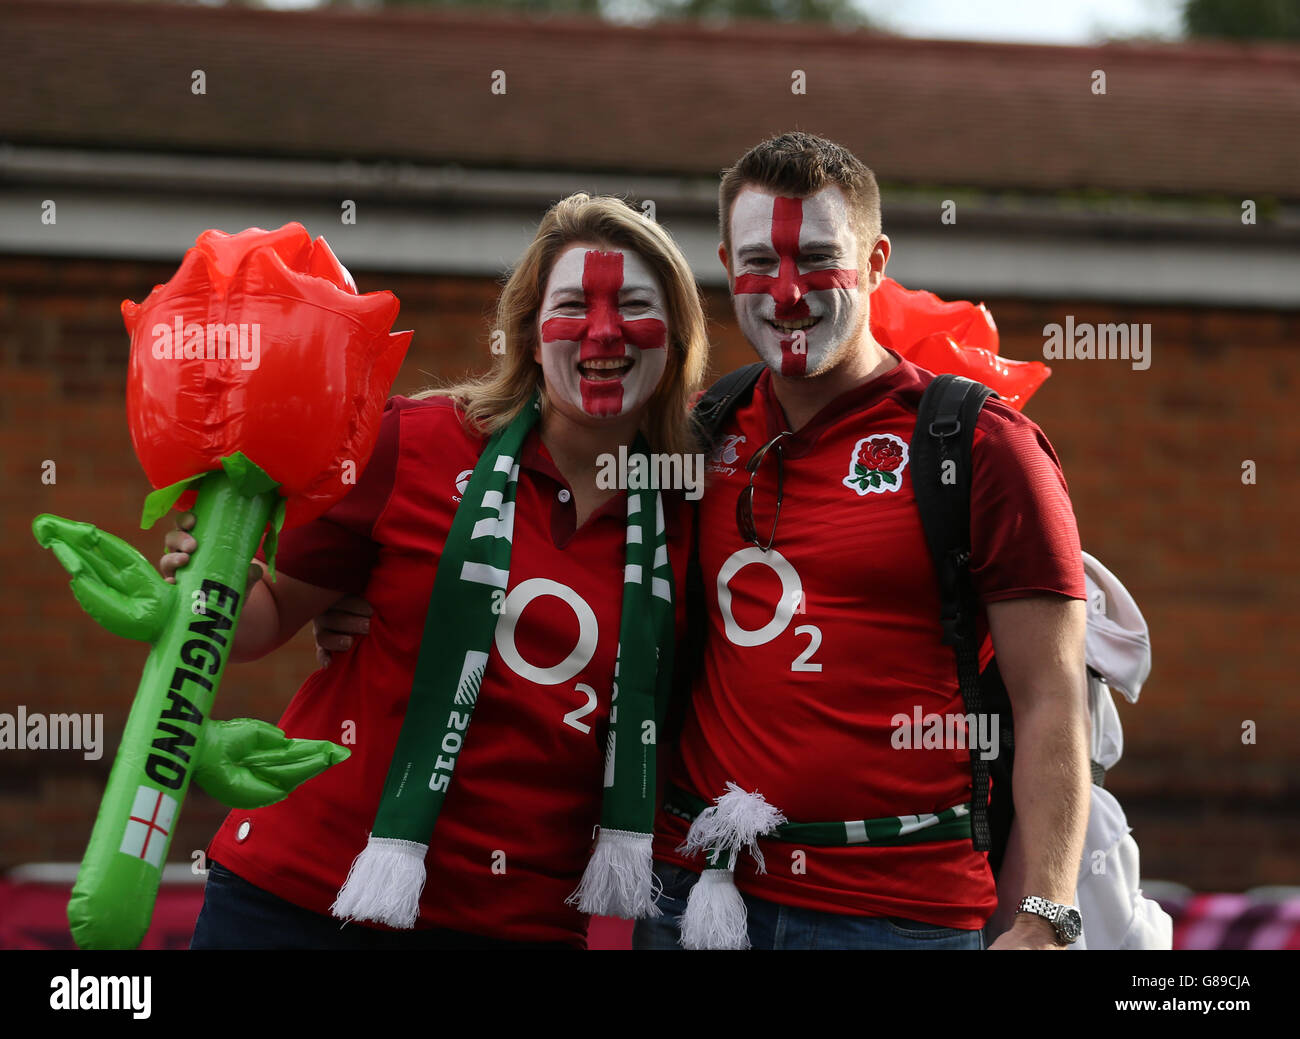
column 602, row 332
column 788, row 287
column 646, row 333
column 564, row 330
column 602, row 278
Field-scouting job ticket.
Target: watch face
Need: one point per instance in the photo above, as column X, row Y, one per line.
column 1071, row 924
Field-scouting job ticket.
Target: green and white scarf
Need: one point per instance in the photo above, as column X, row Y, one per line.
column 715, row 916
column 387, row 877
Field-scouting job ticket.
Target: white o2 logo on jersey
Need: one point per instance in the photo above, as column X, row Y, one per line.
column 786, row 607
column 579, row 657
column 572, row 665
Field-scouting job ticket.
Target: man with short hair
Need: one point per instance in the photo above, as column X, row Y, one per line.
column 823, row 607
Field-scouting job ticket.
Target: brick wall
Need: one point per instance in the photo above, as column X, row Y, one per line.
column 1154, row 464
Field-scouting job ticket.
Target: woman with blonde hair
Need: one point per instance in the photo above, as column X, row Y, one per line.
column 507, row 698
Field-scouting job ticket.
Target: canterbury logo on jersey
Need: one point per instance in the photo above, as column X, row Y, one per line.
column 876, row 465
column 724, row 457
column 462, row 482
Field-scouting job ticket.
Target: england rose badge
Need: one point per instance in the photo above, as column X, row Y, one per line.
column 877, row 464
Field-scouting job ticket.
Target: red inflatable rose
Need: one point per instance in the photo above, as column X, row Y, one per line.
column 261, row 345
column 256, row 381
column 951, row 337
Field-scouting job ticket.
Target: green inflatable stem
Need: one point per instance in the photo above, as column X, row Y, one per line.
column 247, row 475
column 166, row 741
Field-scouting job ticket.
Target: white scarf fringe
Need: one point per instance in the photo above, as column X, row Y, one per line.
column 734, row 822
column 384, row 884
column 715, row 916
column 619, row 879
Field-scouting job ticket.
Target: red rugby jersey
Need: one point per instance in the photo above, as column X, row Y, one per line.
column 515, row 830
column 814, row 647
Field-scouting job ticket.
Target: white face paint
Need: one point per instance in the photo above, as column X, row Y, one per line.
column 604, row 331
column 796, row 293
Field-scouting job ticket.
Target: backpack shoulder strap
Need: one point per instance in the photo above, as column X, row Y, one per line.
column 941, row 481
column 730, row 392
column 734, row 390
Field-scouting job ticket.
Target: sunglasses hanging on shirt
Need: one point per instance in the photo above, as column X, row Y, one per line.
column 745, row 503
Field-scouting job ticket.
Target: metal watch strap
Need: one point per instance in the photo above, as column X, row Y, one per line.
column 1048, row 910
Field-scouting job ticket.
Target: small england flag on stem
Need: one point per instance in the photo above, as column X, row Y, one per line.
column 150, row 825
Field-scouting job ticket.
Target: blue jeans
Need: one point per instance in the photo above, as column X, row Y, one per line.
column 240, row 915
column 773, row 926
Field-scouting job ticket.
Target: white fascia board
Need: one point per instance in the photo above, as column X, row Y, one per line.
column 466, row 222
column 1264, row 275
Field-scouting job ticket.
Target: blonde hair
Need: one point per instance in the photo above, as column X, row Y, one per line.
column 492, row 400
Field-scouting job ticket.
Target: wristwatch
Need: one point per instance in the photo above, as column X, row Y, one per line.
column 1066, row 919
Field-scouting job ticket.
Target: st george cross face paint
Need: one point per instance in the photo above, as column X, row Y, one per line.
column 604, row 331
column 795, row 264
